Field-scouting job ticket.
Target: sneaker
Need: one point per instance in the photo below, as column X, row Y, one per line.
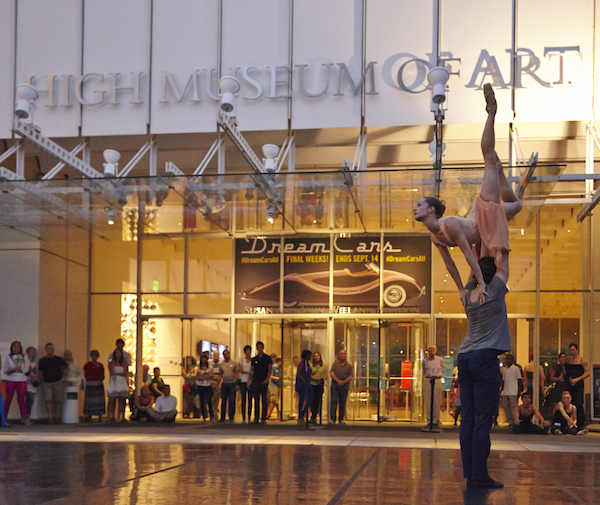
column 488, row 483
column 342, row 423
column 557, row 432
column 583, row 432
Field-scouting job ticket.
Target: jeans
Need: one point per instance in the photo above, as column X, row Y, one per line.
column 437, row 393
column 480, row 380
column 228, row 397
column 339, row 394
column 315, row 408
column 29, row 399
column 260, row 391
column 246, row 400
column 205, row 393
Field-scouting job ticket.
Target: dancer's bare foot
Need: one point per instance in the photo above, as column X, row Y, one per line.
column 490, row 99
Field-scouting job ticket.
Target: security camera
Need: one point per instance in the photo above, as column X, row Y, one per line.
column 270, row 151
column 438, row 77
column 26, row 95
column 229, row 87
column 111, row 166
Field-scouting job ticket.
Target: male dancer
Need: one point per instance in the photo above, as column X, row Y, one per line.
column 487, row 335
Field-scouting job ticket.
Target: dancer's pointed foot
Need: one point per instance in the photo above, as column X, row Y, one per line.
column 490, row 99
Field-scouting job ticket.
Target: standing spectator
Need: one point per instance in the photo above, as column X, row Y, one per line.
column 433, row 369
column 303, row 387
column 165, row 408
column 32, row 381
column 228, row 372
column 529, row 368
column 559, row 378
column 525, row 416
column 94, row 403
column 317, row 382
column 262, row 366
column 143, row 402
column 204, row 374
column 245, row 374
column 16, row 366
column 75, row 374
column 2, row 418
column 274, row 386
column 52, row 372
column 578, row 370
column 120, row 344
column 157, row 385
column 565, row 417
column 341, row 375
column 118, row 386
column 215, row 382
column 188, row 372
column 147, row 380
column 511, row 375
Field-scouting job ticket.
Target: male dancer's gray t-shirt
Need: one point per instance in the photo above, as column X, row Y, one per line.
column 488, row 323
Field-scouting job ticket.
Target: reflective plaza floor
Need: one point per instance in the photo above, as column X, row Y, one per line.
column 190, row 463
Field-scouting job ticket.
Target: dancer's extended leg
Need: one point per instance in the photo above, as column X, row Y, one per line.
column 490, row 187
column 512, row 204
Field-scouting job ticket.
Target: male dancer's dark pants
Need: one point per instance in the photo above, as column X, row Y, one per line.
column 480, row 379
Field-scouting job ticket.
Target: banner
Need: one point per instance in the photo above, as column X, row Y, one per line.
column 257, row 273
column 359, row 281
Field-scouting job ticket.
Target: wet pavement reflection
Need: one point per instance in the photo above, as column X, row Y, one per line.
column 151, row 473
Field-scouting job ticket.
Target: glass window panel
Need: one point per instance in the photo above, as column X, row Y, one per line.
column 209, row 303
column 210, row 265
column 114, row 262
column 162, row 265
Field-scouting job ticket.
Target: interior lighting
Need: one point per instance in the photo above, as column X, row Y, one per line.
column 271, row 213
column 229, row 87
column 111, row 167
column 26, row 95
column 269, row 161
column 522, row 231
column 438, row 77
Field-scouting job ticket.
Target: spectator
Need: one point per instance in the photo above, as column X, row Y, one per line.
column 52, row 372
column 245, row 374
column 2, row 418
column 215, row 382
column 565, row 417
column 188, row 372
column 228, row 373
column 147, row 380
column 16, row 367
column 290, row 376
column 157, row 385
column 529, row 377
column 120, row 344
column 94, row 402
column 165, row 408
column 341, row 375
column 262, row 366
column 32, row 381
column 317, row 382
column 525, row 416
column 303, row 387
column 143, row 402
column 559, row 379
column 457, row 401
column 204, row 374
column 75, row 374
column 118, row 386
column 578, row 370
column 433, row 369
column 274, row 386
column 511, row 375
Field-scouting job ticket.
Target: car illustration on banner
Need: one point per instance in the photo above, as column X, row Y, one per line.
column 349, row 287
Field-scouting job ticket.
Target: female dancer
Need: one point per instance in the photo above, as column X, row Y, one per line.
column 487, row 223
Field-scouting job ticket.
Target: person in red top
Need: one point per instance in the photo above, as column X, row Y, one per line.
column 94, row 403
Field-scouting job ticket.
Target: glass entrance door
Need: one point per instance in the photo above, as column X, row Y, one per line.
column 386, row 358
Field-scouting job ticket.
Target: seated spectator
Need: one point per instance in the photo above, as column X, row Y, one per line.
column 143, row 403
column 165, row 408
column 565, row 417
column 158, row 385
column 525, row 416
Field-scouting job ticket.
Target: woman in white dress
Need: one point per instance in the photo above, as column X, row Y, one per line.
column 118, row 387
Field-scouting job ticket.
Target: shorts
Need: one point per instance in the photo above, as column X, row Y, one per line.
column 274, row 394
column 492, row 226
column 54, row 392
